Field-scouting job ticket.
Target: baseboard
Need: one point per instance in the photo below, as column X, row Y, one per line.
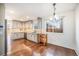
column 77, row 52
column 2, row 55
column 18, row 39
column 62, row 46
column 32, row 41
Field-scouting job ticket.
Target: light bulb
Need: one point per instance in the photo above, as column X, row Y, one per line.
column 11, row 11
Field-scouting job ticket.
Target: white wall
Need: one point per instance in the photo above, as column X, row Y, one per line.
column 77, row 29
column 67, row 38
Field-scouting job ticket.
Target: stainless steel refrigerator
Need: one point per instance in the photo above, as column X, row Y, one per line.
column 2, row 29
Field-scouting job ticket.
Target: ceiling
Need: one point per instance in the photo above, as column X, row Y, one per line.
column 25, row 11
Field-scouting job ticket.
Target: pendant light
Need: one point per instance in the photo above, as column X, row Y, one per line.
column 55, row 19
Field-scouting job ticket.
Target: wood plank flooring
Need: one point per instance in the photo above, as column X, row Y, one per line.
column 22, row 47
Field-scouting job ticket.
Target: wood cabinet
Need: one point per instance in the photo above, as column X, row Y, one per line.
column 42, row 39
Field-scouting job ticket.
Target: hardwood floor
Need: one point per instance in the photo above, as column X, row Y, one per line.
column 24, row 47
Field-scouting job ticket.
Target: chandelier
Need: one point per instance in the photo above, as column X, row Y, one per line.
column 55, row 20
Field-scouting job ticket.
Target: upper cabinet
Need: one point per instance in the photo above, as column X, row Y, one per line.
column 37, row 25
column 29, row 26
column 19, row 26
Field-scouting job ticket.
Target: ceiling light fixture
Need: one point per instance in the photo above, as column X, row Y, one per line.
column 27, row 17
column 55, row 19
column 11, row 11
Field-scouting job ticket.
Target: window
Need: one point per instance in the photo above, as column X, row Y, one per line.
column 55, row 25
